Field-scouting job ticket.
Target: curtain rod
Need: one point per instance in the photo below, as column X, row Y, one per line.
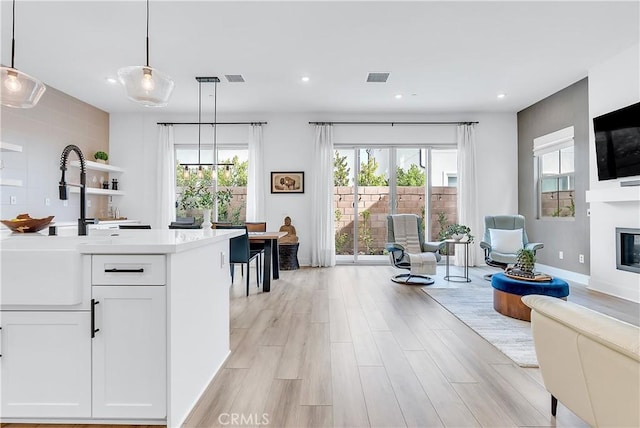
column 210, row 123
column 393, row 123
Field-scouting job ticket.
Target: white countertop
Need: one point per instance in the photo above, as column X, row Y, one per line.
column 124, row 241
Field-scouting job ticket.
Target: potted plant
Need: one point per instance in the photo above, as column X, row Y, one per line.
column 457, row 232
column 101, row 157
column 526, row 260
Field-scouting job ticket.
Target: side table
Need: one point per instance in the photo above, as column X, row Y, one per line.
column 449, row 244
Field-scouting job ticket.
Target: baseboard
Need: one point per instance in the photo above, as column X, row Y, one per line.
column 564, row 274
column 615, row 290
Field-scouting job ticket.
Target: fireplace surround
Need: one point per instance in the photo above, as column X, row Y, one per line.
column 628, row 249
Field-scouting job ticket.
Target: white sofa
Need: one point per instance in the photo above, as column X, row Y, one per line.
column 590, row 362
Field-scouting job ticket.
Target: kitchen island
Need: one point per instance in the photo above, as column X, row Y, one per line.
column 112, row 329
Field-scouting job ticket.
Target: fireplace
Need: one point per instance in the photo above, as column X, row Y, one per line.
column 628, row 249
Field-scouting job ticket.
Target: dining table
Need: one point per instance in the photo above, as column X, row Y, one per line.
column 270, row 255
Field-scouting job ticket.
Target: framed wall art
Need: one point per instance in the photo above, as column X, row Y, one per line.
column 287, row 182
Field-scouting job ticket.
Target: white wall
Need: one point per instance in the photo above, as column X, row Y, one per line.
column 612, row 85
column 288, row 140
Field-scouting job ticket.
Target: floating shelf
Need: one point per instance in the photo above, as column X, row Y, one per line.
column 8, row 147
column 10, row 182
column 94, row 191
column 95, row 166
column 614, row 194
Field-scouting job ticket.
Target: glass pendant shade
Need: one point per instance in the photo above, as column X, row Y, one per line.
column 146, row 85
column 19, row 90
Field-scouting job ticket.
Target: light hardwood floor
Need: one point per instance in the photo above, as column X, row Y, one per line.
column 346, row 347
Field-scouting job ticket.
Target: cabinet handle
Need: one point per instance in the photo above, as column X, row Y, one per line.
column 114, row 270
column 94, row 330
column 0, row 354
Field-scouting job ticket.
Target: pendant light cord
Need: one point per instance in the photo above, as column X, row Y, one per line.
column 199, row 119
column 13, row 33
column 215, row 122
column 14, row 1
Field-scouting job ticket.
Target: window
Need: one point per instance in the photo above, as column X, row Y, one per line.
column 372, row 182
column 554, row 160
column 232, row 182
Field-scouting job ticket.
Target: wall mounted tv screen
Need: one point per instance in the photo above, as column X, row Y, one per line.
column 618, row 143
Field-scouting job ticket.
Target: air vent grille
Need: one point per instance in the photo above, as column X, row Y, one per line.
column 234, row 78
column 377, row 77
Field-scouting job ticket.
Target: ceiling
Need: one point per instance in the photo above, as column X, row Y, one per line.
column 454, row 56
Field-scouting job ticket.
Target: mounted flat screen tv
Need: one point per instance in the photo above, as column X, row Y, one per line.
column 618, row 143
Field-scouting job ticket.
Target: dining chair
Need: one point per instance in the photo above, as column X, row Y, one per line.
column 239, row 253
column 184, row 223
column 257, row 245
column 216, row 224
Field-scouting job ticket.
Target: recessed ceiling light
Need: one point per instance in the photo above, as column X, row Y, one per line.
column 111, row 80
column 398, row 96
column 305, row 79
column 501, row 96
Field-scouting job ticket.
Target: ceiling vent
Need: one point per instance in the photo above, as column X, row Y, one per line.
column 234, row 78
column 377, row 77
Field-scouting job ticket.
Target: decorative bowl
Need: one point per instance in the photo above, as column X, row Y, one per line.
column 25, row 224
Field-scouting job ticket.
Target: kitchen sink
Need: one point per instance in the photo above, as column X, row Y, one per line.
column 41, row 270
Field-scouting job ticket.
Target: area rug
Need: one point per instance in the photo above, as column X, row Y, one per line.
column 474, row 307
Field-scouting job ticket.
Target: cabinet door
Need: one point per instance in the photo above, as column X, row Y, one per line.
column 129, row 352
column 46, row 364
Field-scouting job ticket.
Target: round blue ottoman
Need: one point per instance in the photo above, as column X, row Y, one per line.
column 508, row 291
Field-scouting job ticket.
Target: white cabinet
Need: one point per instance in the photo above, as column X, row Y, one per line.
column 129, row 352
column 45, row 368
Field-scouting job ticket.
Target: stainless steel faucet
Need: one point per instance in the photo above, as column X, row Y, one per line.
column 82, row 221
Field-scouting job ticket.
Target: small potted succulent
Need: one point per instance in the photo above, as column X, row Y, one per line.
column 457, row 232
column 101, row 157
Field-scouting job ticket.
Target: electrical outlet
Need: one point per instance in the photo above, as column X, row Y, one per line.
column 47, row 202
column 561, row 255
column 65, row 203
column 581, row 258
column 13, row 200
column 89, row 203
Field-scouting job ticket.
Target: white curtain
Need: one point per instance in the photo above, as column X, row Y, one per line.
column 467, row 191
column 166, row 177
column 323, row 251
column 255, row 181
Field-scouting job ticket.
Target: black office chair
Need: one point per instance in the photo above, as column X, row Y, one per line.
column 239, row 252
column 134, row 226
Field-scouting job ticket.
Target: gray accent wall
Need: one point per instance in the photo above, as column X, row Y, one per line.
column 568, row 107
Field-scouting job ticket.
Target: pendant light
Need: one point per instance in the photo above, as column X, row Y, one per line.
column 19, row 90
column 200, row 170
column 227, row 166
column 144, row 84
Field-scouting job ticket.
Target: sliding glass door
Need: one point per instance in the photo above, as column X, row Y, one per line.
column 371, row 183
